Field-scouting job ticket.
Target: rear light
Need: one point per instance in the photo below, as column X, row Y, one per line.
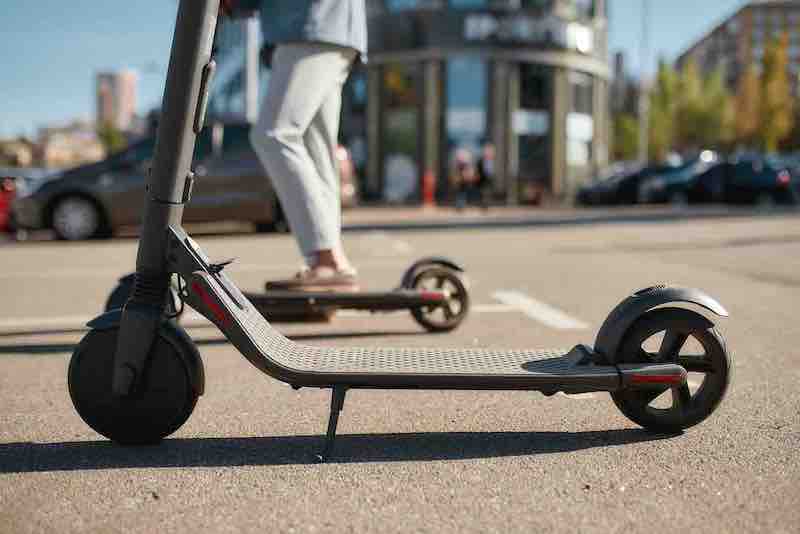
column 784, row 178
column 9, row 186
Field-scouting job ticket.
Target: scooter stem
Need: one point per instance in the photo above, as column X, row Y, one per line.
column 169, row 184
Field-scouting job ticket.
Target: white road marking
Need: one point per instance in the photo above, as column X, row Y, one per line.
column 539, row 311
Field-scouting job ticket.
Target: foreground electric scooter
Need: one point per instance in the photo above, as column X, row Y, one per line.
column 135, row 377
column 433, row 289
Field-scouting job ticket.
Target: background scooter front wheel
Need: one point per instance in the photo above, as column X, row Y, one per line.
column 162, row 401
column 687, row 338
column 450, row 314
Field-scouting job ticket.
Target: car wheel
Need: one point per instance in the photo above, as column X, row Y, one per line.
column 679, row 199
column 765, row 200
column 75, row 218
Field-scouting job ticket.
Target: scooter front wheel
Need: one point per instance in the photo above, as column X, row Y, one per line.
column 445, row 316
column 162, row 400
column 687, row 338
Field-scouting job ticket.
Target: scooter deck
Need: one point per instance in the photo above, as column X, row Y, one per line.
column 398, row 299
column 268, row 350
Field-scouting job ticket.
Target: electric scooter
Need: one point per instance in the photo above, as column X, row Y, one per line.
column 135, row 377
column 433, row 289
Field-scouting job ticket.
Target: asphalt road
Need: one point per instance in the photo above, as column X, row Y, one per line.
column 420, row 461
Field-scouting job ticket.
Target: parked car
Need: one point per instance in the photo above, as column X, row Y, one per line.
column 619, row 187
column 673, row 186
column 750, row 180
column 96, row 199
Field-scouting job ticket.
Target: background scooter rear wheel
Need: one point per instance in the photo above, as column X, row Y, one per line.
column 162, row 401
column 448, row 316
column 669, row 335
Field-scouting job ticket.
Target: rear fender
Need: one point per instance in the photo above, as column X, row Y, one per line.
column 407, row 281
column 629, row 310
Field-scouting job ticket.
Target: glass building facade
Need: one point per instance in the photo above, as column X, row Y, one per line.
column 447, row 76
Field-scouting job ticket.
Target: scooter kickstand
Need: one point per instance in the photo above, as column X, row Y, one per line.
column 337, row 403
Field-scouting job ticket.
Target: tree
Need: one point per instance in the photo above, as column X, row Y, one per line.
column 625, row 143
column 662, row 112
column 717, row 116
column 748, row 103
column 690, row 109
column 111, row 137
column 777, row 113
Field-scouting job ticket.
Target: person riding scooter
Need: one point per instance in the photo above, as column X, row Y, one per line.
column 315, row 46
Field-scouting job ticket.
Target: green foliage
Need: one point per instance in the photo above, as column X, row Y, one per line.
column 777, row 105
column 112, row 138
column 690, row 132
column 748, row 99
column 625, row 137
column 663, row 101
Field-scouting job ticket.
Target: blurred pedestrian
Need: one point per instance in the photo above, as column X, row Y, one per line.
column 463, row 176
column 315, row 46
column 486, row 174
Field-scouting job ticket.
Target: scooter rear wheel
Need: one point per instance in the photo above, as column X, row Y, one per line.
column 450, row 314
column 162, row 400
column 674, row 409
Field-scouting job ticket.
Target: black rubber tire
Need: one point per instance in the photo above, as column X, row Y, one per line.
column 163, row 400
column 634, row 404
column 425, row 316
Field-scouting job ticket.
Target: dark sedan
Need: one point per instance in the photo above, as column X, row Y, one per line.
column 94, row 200
column 620, row 187
column 760, row 181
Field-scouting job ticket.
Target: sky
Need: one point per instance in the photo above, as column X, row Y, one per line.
column 51, row 49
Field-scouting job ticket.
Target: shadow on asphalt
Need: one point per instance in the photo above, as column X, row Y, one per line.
column 55, row 348
column 29, row 457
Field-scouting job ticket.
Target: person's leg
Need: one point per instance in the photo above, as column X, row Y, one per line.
column 321, row 139
column 303, row 78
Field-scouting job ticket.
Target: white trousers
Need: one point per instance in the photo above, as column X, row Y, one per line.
column 296, row 136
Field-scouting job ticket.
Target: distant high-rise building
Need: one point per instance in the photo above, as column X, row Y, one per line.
column 116, row 98
column 741, row 39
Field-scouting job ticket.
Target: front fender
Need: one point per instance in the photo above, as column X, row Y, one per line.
column 629, row 310
column 408, row 276
column 174, row 334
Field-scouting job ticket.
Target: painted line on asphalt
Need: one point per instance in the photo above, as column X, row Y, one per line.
column 539, row 311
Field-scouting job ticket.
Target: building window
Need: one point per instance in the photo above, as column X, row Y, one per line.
column 353, row 132
column 401, row 5
column 466, row 101
column 402, row 99
column 582, row 94
column 580, row 120
column 468, row 4
column 531, row 124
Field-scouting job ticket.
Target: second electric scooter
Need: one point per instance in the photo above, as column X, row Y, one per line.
column 433, row 289
column 136, row 377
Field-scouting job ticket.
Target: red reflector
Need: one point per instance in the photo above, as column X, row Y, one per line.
column 656, row 379
column 784, row 178
column 432, row 295
column 215, row 308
